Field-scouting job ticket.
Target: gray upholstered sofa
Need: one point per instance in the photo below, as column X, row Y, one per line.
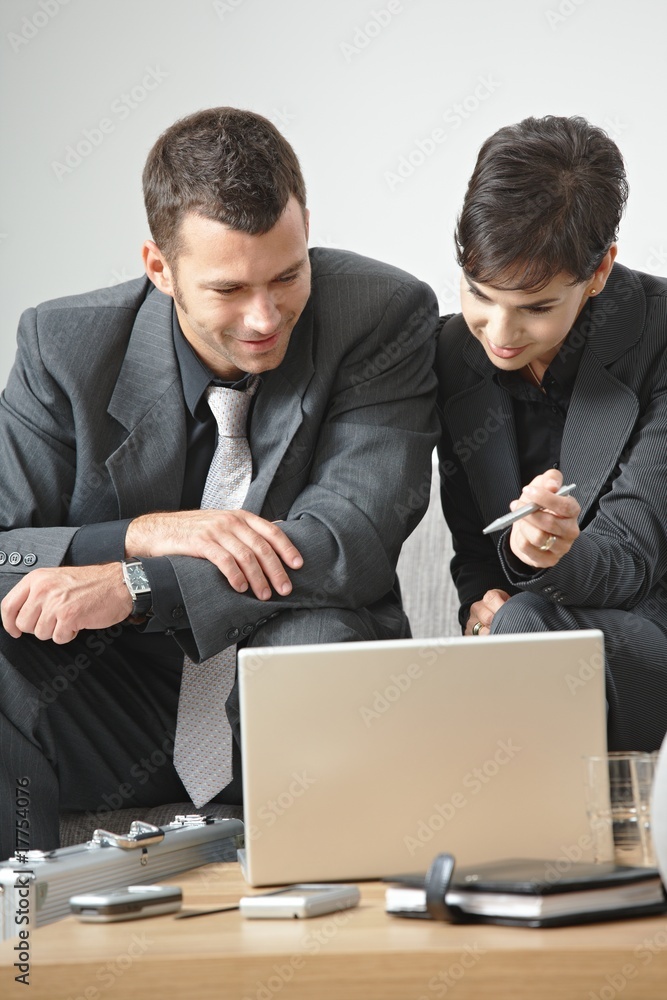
column 430, row 600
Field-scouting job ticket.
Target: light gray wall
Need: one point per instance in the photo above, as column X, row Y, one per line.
column 358, row 86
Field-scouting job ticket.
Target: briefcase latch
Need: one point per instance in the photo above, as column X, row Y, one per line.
column 192, row 820
column 140, row 835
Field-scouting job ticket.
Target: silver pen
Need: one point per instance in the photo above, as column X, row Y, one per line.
column 529, row 508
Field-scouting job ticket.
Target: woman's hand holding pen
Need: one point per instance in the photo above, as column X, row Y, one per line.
column 542, row 538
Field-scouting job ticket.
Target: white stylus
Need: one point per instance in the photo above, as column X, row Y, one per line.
column 529, row 508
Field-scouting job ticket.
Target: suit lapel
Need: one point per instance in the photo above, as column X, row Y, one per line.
column 278, row 411
column 603, row 410
column 147, row 469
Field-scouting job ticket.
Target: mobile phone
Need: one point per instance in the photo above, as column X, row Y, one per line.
column 301, row 900
column 128, row 903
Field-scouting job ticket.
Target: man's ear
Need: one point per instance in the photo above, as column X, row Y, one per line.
column 306, row 219
column 157, row 268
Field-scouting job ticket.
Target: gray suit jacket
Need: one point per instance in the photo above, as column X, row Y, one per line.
column 92, row 429
column 614, row 448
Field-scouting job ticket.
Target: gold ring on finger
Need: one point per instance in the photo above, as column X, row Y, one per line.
column 549, row 544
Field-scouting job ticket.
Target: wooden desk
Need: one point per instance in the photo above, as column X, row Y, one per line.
column 359, row 953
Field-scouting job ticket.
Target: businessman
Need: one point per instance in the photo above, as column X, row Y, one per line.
column 218, row 453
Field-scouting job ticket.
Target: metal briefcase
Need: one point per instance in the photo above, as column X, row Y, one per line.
column 39, row 885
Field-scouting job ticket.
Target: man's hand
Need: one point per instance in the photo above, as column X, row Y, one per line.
column 247, row 549
column 484, row 610
column 543, row 538
column 57, row 602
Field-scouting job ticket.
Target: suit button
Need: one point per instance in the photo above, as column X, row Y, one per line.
column 177, row 612
column 262, row 621
column 233, row 633
column 3, row 558
column 247, row 629
column 15, row 558
column 548, row 590
column 29, row 559
column 275, row 614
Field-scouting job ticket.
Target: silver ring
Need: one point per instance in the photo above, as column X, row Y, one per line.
column 476, row 627
column 548, row 545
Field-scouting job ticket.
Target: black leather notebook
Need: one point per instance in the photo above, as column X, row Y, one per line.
column 534, row 893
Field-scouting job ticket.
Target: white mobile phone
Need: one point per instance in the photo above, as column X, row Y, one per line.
column 126, row 904
column 302, row 900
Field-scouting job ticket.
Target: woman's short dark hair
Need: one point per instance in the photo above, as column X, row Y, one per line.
column 546, row 196
column 225, row 164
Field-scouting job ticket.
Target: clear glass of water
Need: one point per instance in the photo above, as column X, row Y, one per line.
column 618, row 795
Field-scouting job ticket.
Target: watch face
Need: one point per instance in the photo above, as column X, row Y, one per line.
column 137, row 577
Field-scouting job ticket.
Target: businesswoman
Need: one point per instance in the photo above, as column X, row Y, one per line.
column 556, row 372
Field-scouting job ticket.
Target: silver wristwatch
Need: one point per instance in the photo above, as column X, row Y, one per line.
column 138, row 586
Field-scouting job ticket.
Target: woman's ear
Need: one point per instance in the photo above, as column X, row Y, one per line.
column 599, row 278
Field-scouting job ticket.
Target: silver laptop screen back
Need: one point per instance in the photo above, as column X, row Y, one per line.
column 366, row 759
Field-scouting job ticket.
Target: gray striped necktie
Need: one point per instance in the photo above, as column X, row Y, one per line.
column 203, row 742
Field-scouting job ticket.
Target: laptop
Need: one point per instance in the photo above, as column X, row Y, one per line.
column 364, row 759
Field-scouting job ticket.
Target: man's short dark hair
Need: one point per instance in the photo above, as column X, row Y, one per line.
column 225, row 164
column 546, row 196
